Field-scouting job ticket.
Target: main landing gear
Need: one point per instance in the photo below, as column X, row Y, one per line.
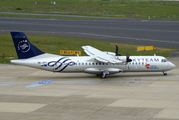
column 164, row 72
column 103, row 75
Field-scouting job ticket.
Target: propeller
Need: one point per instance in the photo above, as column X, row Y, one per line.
column 117, row 51
column 127, row 58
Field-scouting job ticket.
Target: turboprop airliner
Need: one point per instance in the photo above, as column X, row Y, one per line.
column 98, row 62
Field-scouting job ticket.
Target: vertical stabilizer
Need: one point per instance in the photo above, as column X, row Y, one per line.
column 23, row 47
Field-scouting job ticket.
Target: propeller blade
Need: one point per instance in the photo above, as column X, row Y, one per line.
column 117, row 51
column 127, row 58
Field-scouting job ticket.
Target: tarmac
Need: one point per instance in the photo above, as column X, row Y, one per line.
column 124, row 30
column 124, row 96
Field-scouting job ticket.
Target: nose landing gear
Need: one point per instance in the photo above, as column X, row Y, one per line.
column 164, row 72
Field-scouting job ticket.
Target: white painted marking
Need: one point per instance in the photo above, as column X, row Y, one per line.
column 33, row 85
column 130, row 38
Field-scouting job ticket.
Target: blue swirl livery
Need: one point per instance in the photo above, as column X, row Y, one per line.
column 61, row 64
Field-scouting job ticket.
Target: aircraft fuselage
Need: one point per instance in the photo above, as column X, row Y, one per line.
column 90, row 65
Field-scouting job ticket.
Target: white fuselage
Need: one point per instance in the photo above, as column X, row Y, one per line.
column 88, row 64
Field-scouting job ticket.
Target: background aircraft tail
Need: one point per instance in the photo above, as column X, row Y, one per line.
column 23, row 47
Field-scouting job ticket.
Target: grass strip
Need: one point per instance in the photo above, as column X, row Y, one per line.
column 159, row 10
column 51, row 17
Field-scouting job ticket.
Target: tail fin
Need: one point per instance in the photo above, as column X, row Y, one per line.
column 23, row 47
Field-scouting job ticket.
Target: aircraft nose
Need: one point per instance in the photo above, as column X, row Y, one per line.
column 172, row 65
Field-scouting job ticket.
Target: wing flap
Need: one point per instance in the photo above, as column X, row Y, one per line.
column 100, row 55
column 88, row 53
column 101, row 60
column 107, row 60
column 91, row 50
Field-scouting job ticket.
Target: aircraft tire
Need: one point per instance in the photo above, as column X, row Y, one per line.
column 103, row 76
column 164, row 73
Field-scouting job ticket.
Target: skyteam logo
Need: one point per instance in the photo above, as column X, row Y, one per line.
column 61, row 64
column 23, row 46
column 148, row 66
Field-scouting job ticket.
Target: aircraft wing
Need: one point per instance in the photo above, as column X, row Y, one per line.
column 100, row 55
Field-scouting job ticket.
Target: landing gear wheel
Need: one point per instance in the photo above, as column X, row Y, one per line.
column 164, row 72
column 103, row 76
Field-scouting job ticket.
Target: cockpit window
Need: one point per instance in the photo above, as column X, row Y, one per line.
column 164, row 60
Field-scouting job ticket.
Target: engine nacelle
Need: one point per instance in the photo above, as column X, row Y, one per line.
column 101, row 70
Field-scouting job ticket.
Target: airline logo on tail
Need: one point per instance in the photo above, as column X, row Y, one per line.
column 23, row 46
